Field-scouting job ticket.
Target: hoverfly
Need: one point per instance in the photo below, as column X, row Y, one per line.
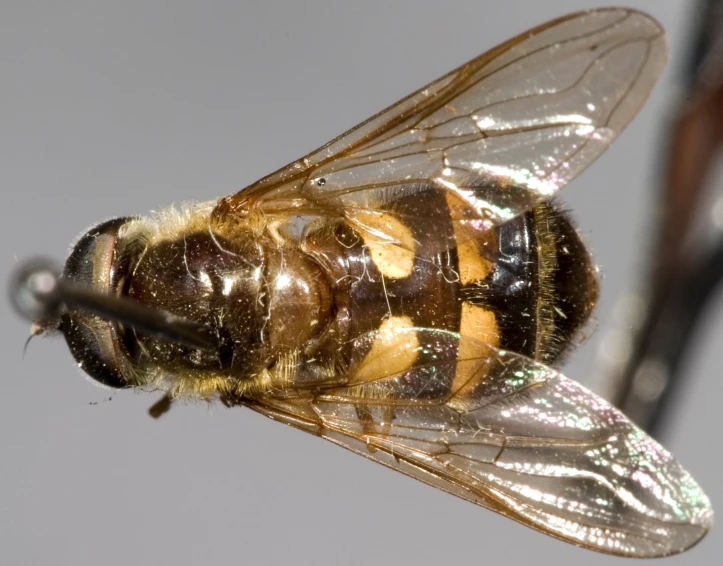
column 406, row 291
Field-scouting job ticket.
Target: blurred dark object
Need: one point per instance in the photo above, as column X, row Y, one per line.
column 682, row 276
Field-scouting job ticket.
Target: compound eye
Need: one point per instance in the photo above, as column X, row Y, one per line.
column 90, row 259
column 93, row 341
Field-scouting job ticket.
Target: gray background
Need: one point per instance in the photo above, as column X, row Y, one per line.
column 114, row 108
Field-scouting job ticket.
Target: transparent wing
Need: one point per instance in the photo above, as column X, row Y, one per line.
column 512, row 435
column 501, row 132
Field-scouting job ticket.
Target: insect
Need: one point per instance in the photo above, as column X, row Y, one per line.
column 406, row 292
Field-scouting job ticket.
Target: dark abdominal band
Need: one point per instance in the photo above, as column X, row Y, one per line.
column 511, row 290
column 543, row 287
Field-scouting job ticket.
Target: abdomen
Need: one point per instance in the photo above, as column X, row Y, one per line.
column 526, row 286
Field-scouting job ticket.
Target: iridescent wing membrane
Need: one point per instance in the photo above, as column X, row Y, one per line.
column 510, row 434
column 502, row 133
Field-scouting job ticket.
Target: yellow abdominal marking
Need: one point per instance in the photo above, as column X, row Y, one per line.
column 394, row 350
column 480, row 324
column 390, row 242
column 478, row 329
column 472, row 266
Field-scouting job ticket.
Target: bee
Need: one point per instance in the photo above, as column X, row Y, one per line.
column 407, row 291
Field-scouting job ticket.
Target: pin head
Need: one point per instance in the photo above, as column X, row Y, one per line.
column 34, row 290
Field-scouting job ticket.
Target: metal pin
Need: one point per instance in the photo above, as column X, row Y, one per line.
column 37, row 291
